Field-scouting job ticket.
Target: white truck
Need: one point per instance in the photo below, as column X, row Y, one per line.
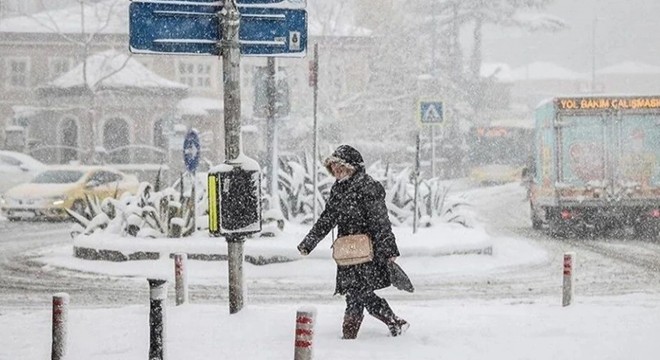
column 596, row 165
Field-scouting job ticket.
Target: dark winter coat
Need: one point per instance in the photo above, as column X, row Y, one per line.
column 357, row 206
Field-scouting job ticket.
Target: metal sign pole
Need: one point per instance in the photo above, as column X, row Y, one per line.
column 271, row 158
column 432, row 151
column 416, row 177
column 315, row 83
column 231, row 60
column 193, row 196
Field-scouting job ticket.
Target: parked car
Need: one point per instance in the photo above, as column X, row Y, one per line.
column 17, row 168
column 58, row 188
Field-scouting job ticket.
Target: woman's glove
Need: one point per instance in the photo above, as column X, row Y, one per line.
column 302, row 250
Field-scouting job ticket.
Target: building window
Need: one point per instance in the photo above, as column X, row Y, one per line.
column 18, row 71
column 58, row 66
column 195, row 74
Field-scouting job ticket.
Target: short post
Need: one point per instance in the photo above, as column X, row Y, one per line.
column 304, row 334
column 181, row 278
column 569, row 265
column 157, row 297
column 60, row 319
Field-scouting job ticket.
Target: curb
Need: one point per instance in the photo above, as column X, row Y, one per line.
column 87, row 253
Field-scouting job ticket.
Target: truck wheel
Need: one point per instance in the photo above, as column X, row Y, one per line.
column 558, row 229
column 537, row 223
column 646, row 230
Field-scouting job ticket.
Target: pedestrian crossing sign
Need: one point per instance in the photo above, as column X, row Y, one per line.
column 431, row 112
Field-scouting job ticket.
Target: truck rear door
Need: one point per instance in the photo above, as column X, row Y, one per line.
column 637, row 150
column 582, row 150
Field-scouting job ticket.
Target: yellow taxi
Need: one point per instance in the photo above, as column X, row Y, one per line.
column 58, row 188
column 495, row 174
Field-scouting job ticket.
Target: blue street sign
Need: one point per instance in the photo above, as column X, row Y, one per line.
column 191, row 150
column 432, row 112
column 273, row 32
column 193, row 28
column 281, row 4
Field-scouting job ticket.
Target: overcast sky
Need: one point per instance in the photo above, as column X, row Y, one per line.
column 625, row 30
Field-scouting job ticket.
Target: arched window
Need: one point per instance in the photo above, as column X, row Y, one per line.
column 115, row 141
column 68, row 141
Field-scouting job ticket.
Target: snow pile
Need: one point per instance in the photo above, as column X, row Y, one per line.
column 629, row 68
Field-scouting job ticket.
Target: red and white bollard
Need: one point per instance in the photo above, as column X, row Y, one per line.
column 304, row 334
column 60, row 319
column 569, row 266
column 181, row 278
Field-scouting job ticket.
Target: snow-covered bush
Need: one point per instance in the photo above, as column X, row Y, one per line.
column 148, row 213
column 434, row 203
column 295, row 189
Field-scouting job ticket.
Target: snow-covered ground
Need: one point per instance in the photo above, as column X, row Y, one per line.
column 595, row 328
column 527, row 325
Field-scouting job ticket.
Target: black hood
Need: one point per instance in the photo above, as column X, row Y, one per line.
column 348, row 155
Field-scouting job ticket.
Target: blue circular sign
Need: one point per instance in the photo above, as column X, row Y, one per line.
column 191, row 150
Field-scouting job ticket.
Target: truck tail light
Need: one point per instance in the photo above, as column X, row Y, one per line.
column 655, row 213
column 566, row 214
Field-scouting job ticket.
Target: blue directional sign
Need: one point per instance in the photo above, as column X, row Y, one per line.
column 191, row 150
column 287, row 4
column 282, row 4
column 432, row 112
column 181, row 27
column 173, row 28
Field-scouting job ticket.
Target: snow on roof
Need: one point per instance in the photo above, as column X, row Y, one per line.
column 105, row 17
column 545, row 71
column 198, row 106
column 539, row 21
column 500, row 71
column 630, row 67
column 112, row 69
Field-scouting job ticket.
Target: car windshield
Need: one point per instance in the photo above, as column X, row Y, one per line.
column 58, row 177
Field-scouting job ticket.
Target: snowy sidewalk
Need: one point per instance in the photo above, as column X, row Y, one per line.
column 593, row 328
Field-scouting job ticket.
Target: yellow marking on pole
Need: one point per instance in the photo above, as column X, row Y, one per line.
column 213, row 203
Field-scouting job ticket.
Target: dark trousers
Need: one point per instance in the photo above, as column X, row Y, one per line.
column 378, row 307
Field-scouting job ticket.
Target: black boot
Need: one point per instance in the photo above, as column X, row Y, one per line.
column 382, row 311
column 395, row 324
column 398, row 326
column 351, row 326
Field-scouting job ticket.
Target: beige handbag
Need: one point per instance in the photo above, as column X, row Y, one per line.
column 352, row 250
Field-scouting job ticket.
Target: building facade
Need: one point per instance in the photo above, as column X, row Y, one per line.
column 63, row 124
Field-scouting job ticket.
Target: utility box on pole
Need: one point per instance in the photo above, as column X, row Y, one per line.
column 235, row 199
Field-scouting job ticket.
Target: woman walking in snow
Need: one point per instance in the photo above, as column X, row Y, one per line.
column 357, row 206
